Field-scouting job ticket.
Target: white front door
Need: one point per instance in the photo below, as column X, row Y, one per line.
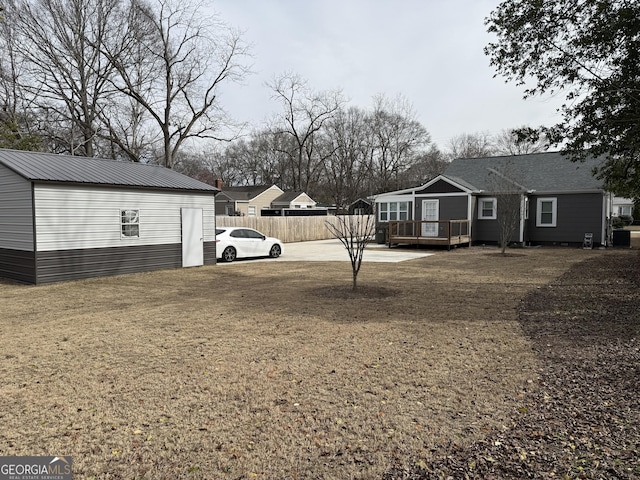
column 192, row 239
column 430, row 212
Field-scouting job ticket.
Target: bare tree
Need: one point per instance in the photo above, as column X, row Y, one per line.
column 354, row 232
column 346, row 168
column 513, row 142
column 67, row 76
column 305, row 113
column 508, row 194
column 427, row 165
column 398, row 138
column 186, row 57
column 258, row 159
column 471, row 145
column 15, row 118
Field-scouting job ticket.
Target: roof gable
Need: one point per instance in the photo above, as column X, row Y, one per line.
column 439, row 184
column 361, row 201
column 542, row 172
column 442, row 184
column 248, row 192
column 288, row 197
column 47, row 167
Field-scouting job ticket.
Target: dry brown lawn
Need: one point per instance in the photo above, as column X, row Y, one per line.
column 269, row 370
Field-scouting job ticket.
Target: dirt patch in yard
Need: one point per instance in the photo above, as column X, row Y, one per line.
column 274, row 369
column 584, row 419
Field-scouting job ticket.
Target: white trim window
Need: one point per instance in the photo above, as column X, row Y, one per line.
column 252, row 210
column 394, row 211
column 130, row 223
column 625, row 210
column 487, row 208
column 546, row 212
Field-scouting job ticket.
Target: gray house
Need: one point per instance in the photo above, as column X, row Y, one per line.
column 561, row 202
column 64, row 218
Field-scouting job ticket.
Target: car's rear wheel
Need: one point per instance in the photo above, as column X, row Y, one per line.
column 275, row 251
column 229, row 254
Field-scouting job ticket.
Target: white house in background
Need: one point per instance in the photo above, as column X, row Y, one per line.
column 621, row 206
column 247, row 201
column 264, row 200
column 65, row 218
column 293, row 200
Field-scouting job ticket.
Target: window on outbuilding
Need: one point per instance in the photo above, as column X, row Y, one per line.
column 546, row 212
column 130, row 223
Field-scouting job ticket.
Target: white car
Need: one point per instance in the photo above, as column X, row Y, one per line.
column 241, row 242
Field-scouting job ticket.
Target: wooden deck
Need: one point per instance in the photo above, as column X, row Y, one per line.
column 438, row 233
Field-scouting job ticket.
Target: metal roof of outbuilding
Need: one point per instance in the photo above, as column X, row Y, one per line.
column 48, row 167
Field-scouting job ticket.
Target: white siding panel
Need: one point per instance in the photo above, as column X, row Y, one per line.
column 16, row 219
column 88, row 217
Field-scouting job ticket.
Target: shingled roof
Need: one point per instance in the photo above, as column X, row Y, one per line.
column 52, row 168
column 248, row 192
column 542, row 172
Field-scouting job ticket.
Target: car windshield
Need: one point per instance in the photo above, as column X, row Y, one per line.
column 219, row 231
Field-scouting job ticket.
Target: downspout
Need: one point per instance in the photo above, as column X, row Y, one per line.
column 523, row 209
column 527, row 213
column 607, row 202
column 470, row 215
column 34, row 233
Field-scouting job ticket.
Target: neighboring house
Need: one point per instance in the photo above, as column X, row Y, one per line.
column 560, row 201
column 621, row 207
column 262, row 200
column 64, row 218
column 293, row 200
column 294, row 204
column 361, row 207
column 247, row 201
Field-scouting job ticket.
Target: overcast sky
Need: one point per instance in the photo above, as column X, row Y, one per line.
column 429, row 51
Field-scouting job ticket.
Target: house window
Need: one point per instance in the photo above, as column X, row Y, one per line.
column 393, row 211
column 130, row 223
column 625, row 210
column 229, row 209
column 487, row 209
column 252, row 211
column 546, row 212
column 384, row 212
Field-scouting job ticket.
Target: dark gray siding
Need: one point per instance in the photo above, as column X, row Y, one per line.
column 209, row 253
column 61, row 265
column 439, row 187
column 577, row 214
column 488, row 231
column 485, row 231
column 451, row 208
column 17, row 265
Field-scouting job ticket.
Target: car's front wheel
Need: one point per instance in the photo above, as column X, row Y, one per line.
column 229, row 254
column 275, row 251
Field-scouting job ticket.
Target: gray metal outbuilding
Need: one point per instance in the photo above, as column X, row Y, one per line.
column 65, row 218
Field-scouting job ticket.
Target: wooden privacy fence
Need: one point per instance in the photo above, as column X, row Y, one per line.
column 287, row 229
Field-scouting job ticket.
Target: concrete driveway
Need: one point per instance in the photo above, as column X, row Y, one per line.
column 333, row 251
